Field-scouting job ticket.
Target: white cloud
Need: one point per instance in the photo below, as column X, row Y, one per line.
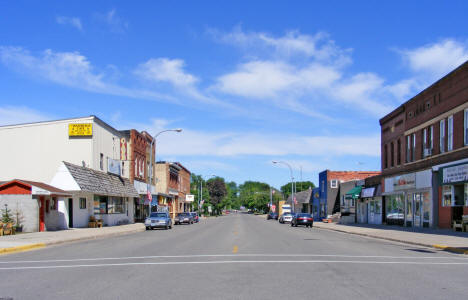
column 438, row 58
column 73, row 21
column 115, row 22
column 70, row 69
column 166, row 70
column 319, row 46
column 20, row 114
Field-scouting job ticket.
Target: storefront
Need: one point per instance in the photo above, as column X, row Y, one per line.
column 453, row 193
column 318, row 206
column 141, row 203
column 408, row 199
column 369, row 206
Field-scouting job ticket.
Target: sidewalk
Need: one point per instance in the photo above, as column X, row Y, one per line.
column 34, row 240
column 444, row 239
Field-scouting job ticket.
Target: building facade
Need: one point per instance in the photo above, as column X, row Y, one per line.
column 418, row 138
column 329, row 186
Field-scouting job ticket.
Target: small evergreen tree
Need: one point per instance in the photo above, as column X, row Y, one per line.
column 6, row 215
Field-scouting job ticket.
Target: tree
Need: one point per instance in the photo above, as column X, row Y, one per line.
column 7, row 216
column 195, row 188
column 217, row 191
column 300, row 186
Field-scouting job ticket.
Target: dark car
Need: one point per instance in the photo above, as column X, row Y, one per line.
column 272, row 215
column 158, row 220
column 183, row 218
column 196, row 219
column 302, row 219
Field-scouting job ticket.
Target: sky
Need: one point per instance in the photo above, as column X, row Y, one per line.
column 304, row 82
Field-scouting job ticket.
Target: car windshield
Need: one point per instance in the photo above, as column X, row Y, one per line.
column 304, row 215
column 158, row 215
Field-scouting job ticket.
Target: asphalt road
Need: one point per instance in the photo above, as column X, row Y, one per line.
column 234, row 257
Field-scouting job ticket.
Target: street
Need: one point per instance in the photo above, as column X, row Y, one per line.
column 238, row 256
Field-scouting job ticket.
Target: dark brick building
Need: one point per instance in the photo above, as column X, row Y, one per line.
column 424, row 134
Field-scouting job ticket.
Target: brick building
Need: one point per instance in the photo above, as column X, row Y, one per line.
column 426, row 134
column 329, row 187
column 184, row 188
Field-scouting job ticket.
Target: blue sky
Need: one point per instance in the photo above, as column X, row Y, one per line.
column 249, row 81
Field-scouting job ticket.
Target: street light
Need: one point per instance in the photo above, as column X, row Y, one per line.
column 292, row 181
column 148, row 186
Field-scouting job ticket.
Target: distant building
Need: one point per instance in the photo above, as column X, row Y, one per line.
column 329, row 186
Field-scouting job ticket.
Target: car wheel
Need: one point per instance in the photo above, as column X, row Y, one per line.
column 147, row 228
column 292, row 224
column 166, row 227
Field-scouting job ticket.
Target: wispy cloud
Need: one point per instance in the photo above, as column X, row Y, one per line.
column 235, row 143
column 73, row 21
column 20, row 114
column 114, row 22
column 166, row 70
column 436, row 58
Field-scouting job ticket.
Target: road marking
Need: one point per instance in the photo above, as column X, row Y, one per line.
column 237, row 262
column 231, row 255
column 235, row 249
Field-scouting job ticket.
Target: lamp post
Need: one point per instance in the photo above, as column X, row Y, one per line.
column 148, row 187
column 292, row 181
column 201, row 190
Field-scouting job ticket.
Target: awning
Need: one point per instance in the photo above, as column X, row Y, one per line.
column 354, row 193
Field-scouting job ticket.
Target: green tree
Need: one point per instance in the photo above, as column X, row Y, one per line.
column 7, row 216
column 300, row 186
column 195, row 189
column 217, row 191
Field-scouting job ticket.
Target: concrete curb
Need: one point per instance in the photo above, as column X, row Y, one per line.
column 441, row 247
column 22, row 248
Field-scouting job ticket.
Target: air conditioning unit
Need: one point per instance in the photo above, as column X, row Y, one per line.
column 427, row 152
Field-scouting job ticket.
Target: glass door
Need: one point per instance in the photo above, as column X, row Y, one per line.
column 417, row 210
column 409, row 210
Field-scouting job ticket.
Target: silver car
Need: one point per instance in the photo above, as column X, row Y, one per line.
column 285, row 218
column 158, row 220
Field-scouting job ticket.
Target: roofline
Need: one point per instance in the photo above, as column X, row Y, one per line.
column 91, row 117
column 443, row 78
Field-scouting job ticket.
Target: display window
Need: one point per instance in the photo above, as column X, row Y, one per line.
column 447, row 195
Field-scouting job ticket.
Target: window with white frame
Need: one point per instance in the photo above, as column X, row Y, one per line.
column 413, row 152
column 466, row 127
column 408, row 148
column 442, row 136
column 431, row 137
column 424, row 144
column 136, row 166
column 450, row 134
column 334, row 183
column 82, row 203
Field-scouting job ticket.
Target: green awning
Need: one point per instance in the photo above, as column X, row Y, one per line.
column 354, row 193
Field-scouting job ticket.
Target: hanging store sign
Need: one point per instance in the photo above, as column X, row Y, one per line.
column 404, row 182
column 189, row 198
column 368, row 193
column 113, row 166
column 455, row 174
column 77, row 129
column 123, row 149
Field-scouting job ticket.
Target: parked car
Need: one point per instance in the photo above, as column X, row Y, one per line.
column 183, row 218
column 196, row 219
column 272, row 215
column 285, row 218
column 302, row 219
column 158, row 220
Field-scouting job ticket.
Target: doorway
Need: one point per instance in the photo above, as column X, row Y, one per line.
column 41, row 214
column 70, row 212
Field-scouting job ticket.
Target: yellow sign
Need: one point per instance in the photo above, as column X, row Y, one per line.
column 80, row 129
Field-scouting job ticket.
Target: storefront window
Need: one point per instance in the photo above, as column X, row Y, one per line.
column 447, row 195
column 466, row 194
column 377, row 207
column 395, row 209
column 116, row 205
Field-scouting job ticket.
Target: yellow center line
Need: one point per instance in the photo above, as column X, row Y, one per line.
column 235, row 249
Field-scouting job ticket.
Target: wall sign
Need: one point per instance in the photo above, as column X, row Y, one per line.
column 123, row 149
column 455, row 174
column 189, row 198
column 76, row 129
column 404, row 182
